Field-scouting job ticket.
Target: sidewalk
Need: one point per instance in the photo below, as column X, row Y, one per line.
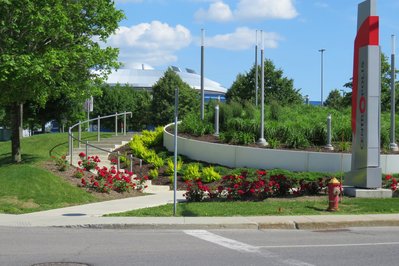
column 90, row 216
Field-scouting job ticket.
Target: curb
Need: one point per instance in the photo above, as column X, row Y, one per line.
column 289, row 225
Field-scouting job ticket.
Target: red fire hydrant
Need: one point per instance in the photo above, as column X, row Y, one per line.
column 334, row 190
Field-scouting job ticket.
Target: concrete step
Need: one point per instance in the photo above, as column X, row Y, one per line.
column 155, row 188
column 101, row 145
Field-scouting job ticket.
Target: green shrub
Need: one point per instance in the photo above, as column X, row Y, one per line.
column 210, row 175
column 170, row 166
column 153, row 173
column 191, row 172
column 152, row 138
column 154, row 159
column 275, row 110
column 193, row 124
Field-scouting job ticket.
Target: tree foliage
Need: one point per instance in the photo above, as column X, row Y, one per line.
column 121, row 98
column 385, row 87
column 49, row 48
column 277, row 87
column 335, row 100
column 163, row 102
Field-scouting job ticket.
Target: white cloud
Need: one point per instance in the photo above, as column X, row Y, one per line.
column 242, row 38
column 217, row 11
column 266, row 9
column 154, row 43
column 248, row 10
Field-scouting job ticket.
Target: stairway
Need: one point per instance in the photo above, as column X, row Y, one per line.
column 107, row 145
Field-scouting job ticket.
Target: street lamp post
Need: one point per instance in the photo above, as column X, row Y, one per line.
column 393, row 146
column 322, row 75
column 256, row 68
column 262, row 140
column 202, row 74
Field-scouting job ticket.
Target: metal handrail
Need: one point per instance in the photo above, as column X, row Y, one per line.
column 71, row 137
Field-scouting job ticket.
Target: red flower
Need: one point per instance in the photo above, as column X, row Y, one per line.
column 262, row 173
column 82, row 155
column 83, row 181
column 387, row 177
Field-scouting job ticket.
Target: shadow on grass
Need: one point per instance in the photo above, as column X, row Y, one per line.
column 186, row 212
column 316, row 209
column 6, row 159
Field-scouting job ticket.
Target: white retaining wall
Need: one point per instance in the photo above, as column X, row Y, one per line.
column 240, row 156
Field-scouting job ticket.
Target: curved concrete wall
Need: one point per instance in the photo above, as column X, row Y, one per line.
column 240, row 156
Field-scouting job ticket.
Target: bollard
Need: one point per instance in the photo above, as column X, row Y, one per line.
column 329, row 146
column 216, row 121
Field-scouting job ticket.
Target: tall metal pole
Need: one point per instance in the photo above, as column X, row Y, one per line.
column 202, row 74
column 322, row 76
column 393, row 146
column 256, row 68
column 262, row 141
column 175, row 150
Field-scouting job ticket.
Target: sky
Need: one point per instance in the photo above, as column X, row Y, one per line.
column 162, row 33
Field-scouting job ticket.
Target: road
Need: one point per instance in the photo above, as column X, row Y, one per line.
column 354, row 246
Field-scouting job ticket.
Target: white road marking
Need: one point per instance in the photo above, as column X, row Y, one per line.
column 222, row 241
column 333, row 245
column 241, row 247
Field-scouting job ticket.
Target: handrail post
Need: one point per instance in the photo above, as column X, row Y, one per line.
column 79, row 133
column 98, row 128
column 71, row 147
column 131, row 163
column 116, row 124
column 87, row 150
column 118, row 166
column 124, row 124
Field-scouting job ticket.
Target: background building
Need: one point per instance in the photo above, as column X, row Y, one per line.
column 146, row 77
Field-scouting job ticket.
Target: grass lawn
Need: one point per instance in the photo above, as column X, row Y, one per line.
column 298, row 206
column 27, row 187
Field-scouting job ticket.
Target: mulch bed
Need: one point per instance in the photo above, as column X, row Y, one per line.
column 67, row 175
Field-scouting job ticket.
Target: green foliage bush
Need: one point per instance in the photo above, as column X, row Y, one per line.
column 152, row 138
column 193, row 124
column 140, row 150
column 210, row 175
column 153, row 173
column 191, row 172
column 170, row 166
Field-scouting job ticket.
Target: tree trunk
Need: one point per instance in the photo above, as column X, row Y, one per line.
column 16, row 131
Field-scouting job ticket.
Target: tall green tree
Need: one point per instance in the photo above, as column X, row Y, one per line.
column 163, row 100
column 335, row 100
column 385, row 87
column 48, row 48
column 277, row 87
column 121, row 98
